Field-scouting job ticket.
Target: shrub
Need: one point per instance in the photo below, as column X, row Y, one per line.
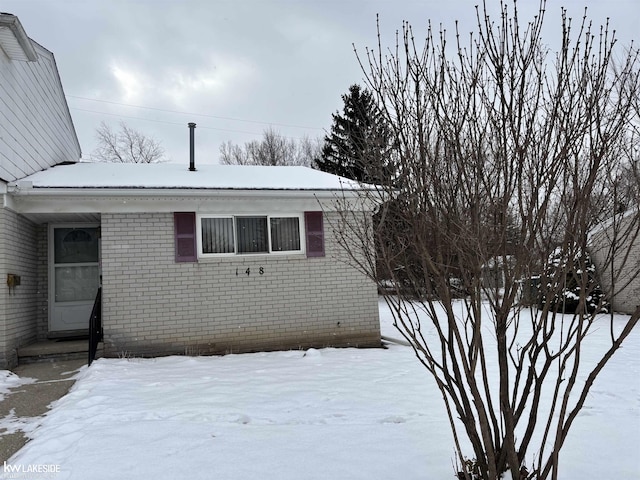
column 569, row 281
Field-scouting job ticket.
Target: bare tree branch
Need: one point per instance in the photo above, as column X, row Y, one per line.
column 513, row 166
column 126, row 146
column 273, row 149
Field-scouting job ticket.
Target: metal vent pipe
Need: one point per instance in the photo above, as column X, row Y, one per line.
column 192, row 159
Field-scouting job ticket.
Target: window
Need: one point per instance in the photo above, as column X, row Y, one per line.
column 251, row 234
column 285, row 234
column 217, row 235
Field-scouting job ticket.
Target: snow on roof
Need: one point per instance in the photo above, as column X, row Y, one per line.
column 178, row 176
column 614, row 219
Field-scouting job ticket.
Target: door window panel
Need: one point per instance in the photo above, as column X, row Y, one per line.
column 75, row 245
column 76, row 283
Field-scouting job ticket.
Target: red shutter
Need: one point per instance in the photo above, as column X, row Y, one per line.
column 185, row 235
column 314, row 233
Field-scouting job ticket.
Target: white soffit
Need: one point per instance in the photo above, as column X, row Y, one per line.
column 14, row 40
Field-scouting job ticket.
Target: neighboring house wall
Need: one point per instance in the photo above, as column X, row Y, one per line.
column 36, row 130
column 18, row 305
column 618, row 266
column 153, row 305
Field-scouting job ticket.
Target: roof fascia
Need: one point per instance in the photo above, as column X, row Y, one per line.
column 26, row 189
column 230, row 203
column 12, row 22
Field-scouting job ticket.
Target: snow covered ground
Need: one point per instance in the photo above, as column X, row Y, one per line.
column 320, row 414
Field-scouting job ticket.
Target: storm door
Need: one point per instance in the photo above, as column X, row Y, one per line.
column 74, row 256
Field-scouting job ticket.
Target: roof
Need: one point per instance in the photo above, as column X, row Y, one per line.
column 177, row 176
column 614, row 220
column 14, row 40
column 35, row 111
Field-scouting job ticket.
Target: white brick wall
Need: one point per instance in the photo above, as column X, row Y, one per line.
column 18, row 307
column 152, row 305
column 42, row 239
column 625, row 260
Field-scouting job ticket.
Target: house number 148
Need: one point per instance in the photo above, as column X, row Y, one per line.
column 248, row 271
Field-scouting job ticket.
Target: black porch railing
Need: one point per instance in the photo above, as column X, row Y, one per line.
column 95, row 326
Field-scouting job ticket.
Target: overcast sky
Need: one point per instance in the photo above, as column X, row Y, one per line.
column 237, row 67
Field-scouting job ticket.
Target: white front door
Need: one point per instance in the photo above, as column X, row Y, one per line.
column 74, row 258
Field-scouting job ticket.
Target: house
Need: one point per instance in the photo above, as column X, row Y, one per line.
column 220, row 259
column 192, row 260
column 615, row 250
column 36, row 132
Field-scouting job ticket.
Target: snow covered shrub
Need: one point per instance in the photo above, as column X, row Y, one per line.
column 570, row 281
column 470, row 470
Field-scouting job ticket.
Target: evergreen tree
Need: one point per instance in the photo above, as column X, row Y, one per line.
column 578, row 276
column 358, row 146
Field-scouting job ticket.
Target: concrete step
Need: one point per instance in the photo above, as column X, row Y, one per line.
column 49, row 350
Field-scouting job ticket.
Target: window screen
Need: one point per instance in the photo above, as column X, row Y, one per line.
column 217, row 235
column 252, row 234
column 285, row 234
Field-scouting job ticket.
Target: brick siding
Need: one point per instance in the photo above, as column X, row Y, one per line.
column 153, row 305
column 42, row 246
column 18, row 306
column 622, row 268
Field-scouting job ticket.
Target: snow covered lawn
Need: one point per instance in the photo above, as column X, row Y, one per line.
column 320, row 414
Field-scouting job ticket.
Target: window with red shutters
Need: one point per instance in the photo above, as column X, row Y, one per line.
column 185, row 236
column 314, row 232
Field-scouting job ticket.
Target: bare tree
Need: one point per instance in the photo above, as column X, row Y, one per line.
column 232, row 154
column 126, row 146
column 273, row 149
column 504, row 154
column 310, row 150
